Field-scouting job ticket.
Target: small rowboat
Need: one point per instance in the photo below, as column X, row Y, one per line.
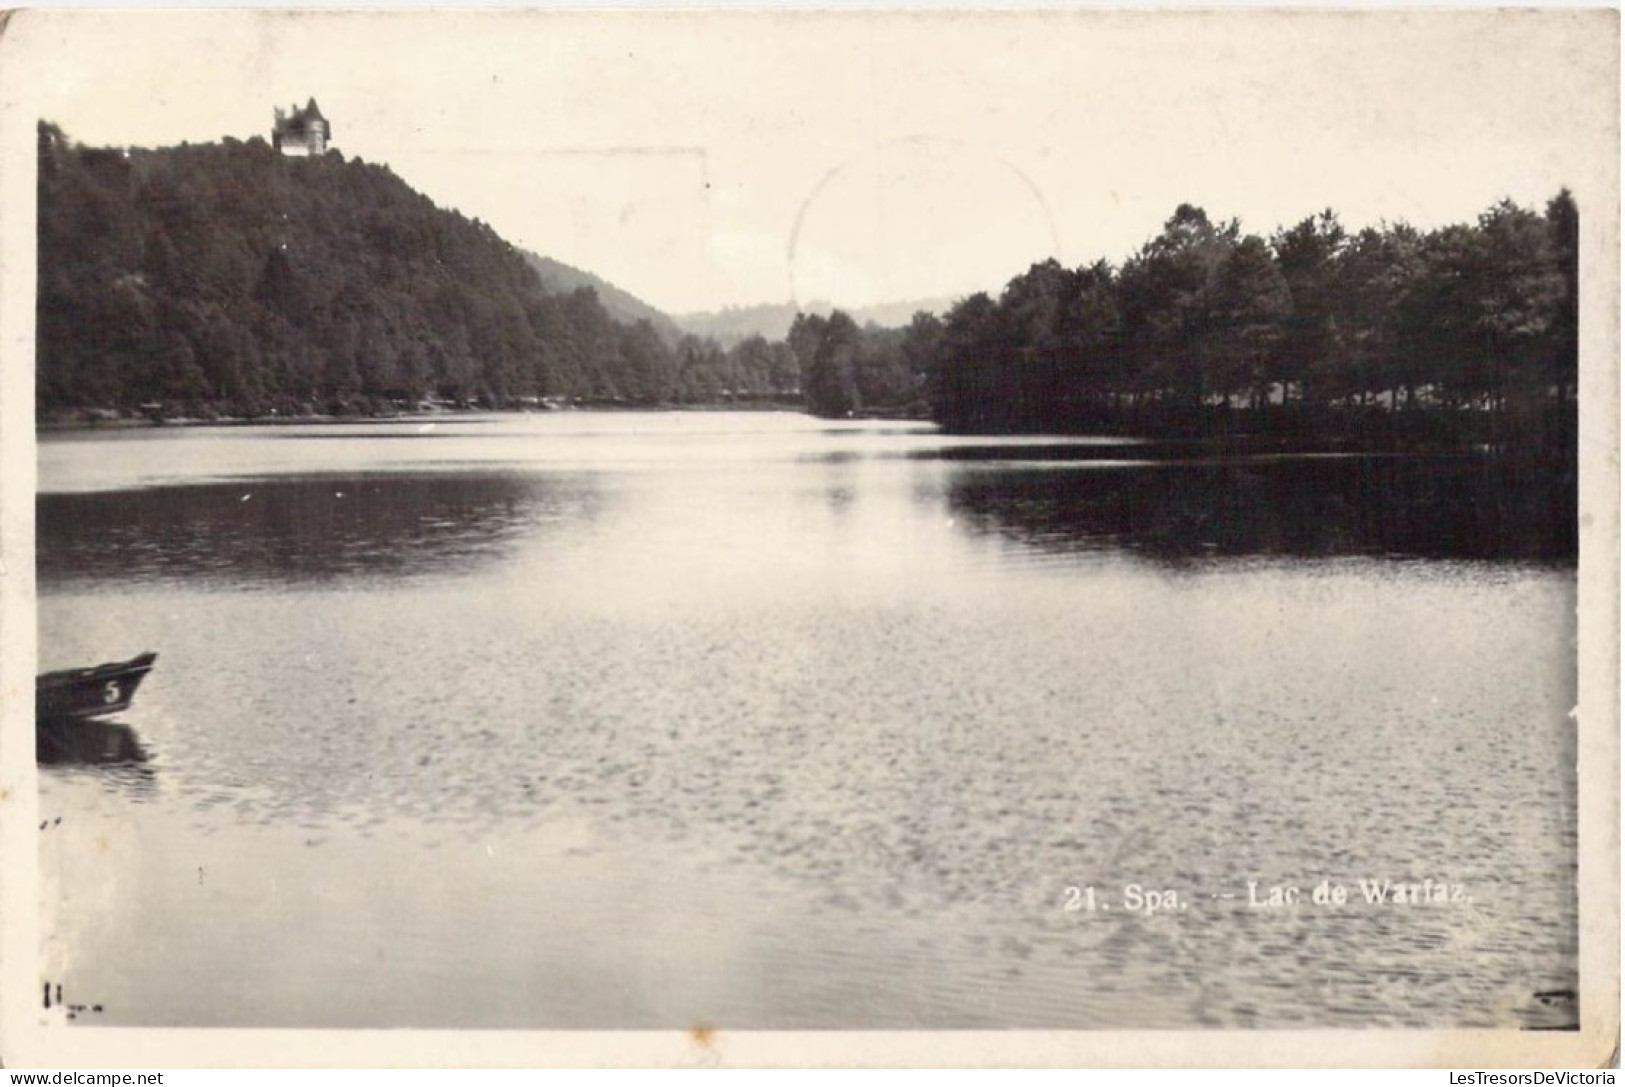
column 81, row 693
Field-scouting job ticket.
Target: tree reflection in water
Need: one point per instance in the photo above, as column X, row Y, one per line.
column 1460, row 507
column 300, row 529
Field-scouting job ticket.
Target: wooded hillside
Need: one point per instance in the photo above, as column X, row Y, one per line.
column 229, row 278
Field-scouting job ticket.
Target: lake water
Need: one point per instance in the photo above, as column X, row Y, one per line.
column 756, row 721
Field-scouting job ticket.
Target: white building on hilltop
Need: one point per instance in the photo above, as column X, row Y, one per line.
column 301, row 131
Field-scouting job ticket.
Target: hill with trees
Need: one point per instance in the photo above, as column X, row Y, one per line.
column 560, row 278
column 226, row 278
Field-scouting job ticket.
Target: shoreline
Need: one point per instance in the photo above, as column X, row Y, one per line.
column 1161, row 446
column 327, row 418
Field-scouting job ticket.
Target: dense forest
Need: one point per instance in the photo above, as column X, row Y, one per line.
column 228, row 279
column 1469, row 331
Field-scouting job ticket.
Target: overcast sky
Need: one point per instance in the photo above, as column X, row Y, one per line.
column 706, row 159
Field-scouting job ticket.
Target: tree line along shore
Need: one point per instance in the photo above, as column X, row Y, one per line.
column 226, row 281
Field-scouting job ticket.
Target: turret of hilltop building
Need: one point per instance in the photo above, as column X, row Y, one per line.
column 301, row 131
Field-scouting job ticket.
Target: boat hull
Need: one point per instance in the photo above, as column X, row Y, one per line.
column 82, row 693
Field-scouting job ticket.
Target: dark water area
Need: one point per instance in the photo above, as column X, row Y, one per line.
column 640, row 721
column 305, row 529
column 389, row 525
column 1439, row 507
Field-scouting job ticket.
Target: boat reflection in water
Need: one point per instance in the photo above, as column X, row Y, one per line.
column 108, row 749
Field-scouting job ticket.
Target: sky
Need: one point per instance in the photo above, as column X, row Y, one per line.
column 707, row 159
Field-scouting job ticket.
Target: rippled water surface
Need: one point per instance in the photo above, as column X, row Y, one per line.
column 587, row 720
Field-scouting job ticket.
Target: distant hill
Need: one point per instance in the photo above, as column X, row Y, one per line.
column 226, row 277
column 560, row 278
column 772, row 320
column 899, row 314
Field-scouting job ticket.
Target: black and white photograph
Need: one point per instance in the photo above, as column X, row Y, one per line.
column 786, row 536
